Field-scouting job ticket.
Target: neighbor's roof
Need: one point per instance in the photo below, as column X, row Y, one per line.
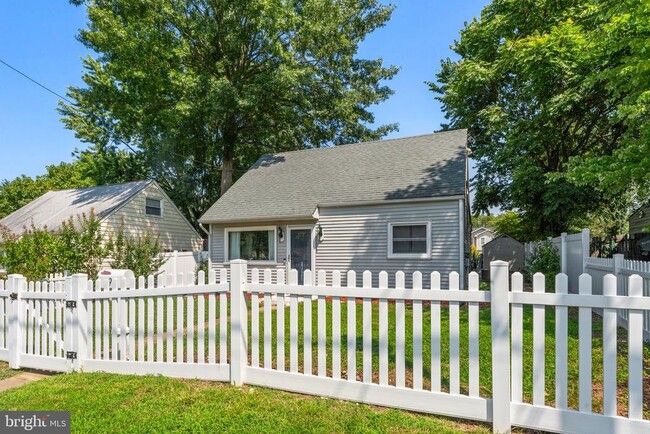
column 54, row 207
column 481, row 230
column 292, row 184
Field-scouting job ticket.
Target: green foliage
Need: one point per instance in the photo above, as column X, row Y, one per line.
column 32, row 254
column 80, row 248
column 77, row 247
column 544, row 87
column 202, row 265
column 544, row 259
column 483, row 221
column 143, row 254
column 36, row 253
column 516, row 225
column 201, row 89
column 20, row 191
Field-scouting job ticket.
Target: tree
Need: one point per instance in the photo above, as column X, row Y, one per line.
column 202, row 88
column 535, row 86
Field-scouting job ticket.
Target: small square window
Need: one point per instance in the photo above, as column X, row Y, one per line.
column 409, row 240
column 153, row 207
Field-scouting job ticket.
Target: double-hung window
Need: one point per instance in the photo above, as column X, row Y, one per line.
column 409, row 240
column 251, row 244
column 153, row 207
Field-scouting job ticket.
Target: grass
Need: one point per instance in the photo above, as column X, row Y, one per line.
column 6, row 372
column 108, row 403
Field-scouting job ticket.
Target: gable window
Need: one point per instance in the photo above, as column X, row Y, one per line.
column 409, row 240
column 153, row 207
column 482, row 241
column 251, row 244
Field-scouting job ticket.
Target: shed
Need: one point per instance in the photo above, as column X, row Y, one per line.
column 504, row 248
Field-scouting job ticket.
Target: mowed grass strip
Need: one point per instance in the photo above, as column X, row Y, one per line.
column 109, row 403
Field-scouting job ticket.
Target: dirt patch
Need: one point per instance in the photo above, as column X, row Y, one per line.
column 20, row 380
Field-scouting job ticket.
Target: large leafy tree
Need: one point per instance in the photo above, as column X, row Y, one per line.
column 202, row 88
column 538, row 84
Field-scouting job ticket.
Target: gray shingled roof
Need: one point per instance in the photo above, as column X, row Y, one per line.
column 54, row 207
column 293, row 184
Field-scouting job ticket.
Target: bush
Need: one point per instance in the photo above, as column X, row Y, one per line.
column 77, row 247
column 142, row 255
column 544, row 259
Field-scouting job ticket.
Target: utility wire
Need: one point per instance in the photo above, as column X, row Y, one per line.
column 70, row 102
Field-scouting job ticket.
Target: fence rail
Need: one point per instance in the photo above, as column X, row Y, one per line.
column 430, row 349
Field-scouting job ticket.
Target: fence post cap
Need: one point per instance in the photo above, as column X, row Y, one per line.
column 238, row 261
column 499, row 264
column 80, row 275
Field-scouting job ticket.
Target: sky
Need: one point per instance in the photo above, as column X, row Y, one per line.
column 39, row 38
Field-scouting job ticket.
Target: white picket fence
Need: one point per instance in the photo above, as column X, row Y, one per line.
column 237, row 331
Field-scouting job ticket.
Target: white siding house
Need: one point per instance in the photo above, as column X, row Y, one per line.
column 142, row 206
column 388, row 205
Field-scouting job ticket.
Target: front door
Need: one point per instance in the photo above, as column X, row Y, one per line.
column 300, row 244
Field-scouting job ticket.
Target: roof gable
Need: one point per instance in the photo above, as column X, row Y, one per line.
column 54, row 207
column 293, row 184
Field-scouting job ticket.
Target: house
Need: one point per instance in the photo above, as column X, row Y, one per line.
column 504, row 248
column 142, row 206
column 480, row 237
column 639, row 222
column 398, row 204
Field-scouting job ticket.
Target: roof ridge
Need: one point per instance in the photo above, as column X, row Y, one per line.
column 371, row 142
column 146, row 181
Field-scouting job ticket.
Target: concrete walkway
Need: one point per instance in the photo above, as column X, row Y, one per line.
column 20, row 380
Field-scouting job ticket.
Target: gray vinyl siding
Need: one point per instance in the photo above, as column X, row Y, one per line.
column 640, row 220
column 175, row 231
column 356, row 238
column 217, row 244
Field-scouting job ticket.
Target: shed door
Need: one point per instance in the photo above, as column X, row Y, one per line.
column 300, row 244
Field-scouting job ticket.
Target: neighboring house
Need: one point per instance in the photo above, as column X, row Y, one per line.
column 480, row 237
column 639, row 222
column 398, row 204
column 504, row 248
column 142, row 206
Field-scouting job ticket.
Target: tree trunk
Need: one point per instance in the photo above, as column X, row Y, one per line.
column 228, row 161
column 226, row 172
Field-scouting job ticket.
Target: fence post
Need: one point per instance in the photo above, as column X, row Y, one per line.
column 500, row 307
column 16, row 284
column 618, row 264
column 238, row 321
column 563, row 255
column 78, row 321
column 586, row 249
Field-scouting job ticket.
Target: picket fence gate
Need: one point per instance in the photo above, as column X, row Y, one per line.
column 236, row 331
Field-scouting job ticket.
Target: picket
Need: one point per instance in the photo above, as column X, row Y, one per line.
column 436, row 375
column 539, row 336
column 584, row 352
column 383, row 332
column 307, row 334
column 454, row 337
column 561, row 345
column 352, row 329
column 367, row 330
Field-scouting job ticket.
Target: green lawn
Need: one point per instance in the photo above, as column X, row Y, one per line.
column 109, row 403
column 5, row 372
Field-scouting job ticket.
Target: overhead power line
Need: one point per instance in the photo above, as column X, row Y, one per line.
column 70, row 102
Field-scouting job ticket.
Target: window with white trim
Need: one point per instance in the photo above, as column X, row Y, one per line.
column 153, row 207
column 251, row 245
column 409, row 240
